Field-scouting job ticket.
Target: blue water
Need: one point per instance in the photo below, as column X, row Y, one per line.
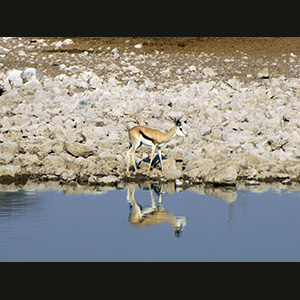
column 49, row 225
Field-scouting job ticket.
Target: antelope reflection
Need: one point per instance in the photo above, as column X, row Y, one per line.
column 153, row 214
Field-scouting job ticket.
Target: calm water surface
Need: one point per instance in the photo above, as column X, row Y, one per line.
column 49, row 225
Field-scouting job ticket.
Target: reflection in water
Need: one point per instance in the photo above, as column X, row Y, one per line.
column 14, row 203
column 52, row 222
column 153, row 214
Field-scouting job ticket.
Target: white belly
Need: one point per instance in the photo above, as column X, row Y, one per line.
column 145, row 141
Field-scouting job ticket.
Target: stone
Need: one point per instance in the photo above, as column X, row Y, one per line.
column 228, row 60
column 94, row 133
column 179, row 182
column 223, row 176
column 78, row 149
column 138, row 46
column 13, row 77
column 208, row 71
column 149, row 84
column 32, row 74
column 263, row 74
column 68, row 175
column 169, row 164
column 192, row 68
column 6, row 158
column 172, row 175
column 196, row 161
column 22, row 53
column 9, row 170
column 205, row 130
column 108, row 180
column 68, row 42
column 10, row 147
column 54, row 164
column 57, row 44
column 28, row 160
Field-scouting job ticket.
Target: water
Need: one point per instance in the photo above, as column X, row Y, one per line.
column 51, row 225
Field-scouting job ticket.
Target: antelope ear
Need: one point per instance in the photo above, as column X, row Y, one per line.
column 172, row 118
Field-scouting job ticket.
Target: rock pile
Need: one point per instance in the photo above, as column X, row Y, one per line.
column 75, row 128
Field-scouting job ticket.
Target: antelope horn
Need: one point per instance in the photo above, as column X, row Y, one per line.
column 173, row 119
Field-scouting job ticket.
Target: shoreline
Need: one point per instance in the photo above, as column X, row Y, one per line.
column 228, row 194
column 139, row 178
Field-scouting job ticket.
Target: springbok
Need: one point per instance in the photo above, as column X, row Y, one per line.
column 139, row 135
column 147, row 216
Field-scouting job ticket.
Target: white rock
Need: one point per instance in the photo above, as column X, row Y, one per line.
column 169, row 164
column 263, row 74
column 178, row 72
column 40, row 96
column 68, row 175
column 138, row 46
column 133, row 69
column 223, row 176
column 9, row 147
column 149, row 84
column 192, row 68
column 28, row 160
column 22, row 53
column 78, row 149
column 227, row 60
column 166, row 73
column 9, row 170
column 68, row 42
column 205, row 130
column 54, row 164
column 95, row 82
column 14, row 78
column 208, row 71
column 32, row 74
column 57, row 44
column 179, row 182
column 6, row 158
column 108, row 180
column 174, row 175
column 131, row 85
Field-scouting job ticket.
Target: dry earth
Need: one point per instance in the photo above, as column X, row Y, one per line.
column 230, row 56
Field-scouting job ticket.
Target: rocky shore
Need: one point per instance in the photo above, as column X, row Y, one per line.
column 72, row 125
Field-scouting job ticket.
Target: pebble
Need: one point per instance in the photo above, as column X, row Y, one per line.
column 138, row 46
column 208, row 71
column 263, row 74
column 68, row 42
column 192, row 68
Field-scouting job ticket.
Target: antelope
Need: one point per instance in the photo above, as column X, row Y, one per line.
column 139, row 135
column 147, row 216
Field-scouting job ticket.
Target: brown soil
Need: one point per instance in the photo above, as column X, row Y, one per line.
column 267, row 46
column 240, row 57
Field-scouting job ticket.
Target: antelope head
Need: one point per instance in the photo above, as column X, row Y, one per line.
column 180, row 131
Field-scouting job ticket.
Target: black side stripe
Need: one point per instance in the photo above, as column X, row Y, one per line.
column 146, row 137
